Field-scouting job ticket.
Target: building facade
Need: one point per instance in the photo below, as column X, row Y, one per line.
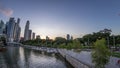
column 17, row 31
column 38, row 37
column 2, row 27
column 10, row 30
column 26, row 31
column 68, row 37
column 33, row 35
column 29, row 34
column 13, row 30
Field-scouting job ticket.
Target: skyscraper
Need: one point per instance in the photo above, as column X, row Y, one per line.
column 38, row 37
column 2, row 27
column 17, row 31
column 10, row 25
column 33, row 35
column 29, row 34
column 68, row 37
column 26, row 31
column 13, row 30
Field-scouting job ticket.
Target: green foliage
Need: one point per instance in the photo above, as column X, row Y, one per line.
column 116, row 54
column 101, row 54
column 75, row 44
column 3, row 39
column 59, row 40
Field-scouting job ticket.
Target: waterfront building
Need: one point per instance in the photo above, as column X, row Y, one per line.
column 33, row 35
column 29, row 34
column 21, row 39
column 26, row 31
column 13, row 30
column 68, row 37
column 2, row 27
column 17, row 31
column 38, row 37
column 10, row 25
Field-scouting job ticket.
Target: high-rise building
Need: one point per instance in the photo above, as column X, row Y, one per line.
column 18, row 35
column 17, row 31
column 38, row 37
column 2, row 27
column 29, row 34
column 33, row 35
column 68, row 37
column 26, row 31
column 10, row 26
column 13, row 30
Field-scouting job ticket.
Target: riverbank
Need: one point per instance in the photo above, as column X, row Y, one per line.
column 46, row 49
column 74, row 61
column 83, row 59
column 80, row 59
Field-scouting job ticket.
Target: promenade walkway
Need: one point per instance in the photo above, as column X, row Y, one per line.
column 85, row 58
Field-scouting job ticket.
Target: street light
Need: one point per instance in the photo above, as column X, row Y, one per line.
column 108, row 42
column 114, row 40
column 88, row 41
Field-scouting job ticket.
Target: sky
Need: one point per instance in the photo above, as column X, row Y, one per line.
column 60, row 17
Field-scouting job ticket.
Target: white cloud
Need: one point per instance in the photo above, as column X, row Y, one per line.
column 6, row 11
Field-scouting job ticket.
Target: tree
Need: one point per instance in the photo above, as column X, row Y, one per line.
column 3, row 39
column 59, row 40
column 101, row 54
column 76, row 44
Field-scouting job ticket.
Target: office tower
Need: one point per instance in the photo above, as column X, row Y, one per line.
column 10, row 26
column 38, row 37
column 26, row 31
column 18, row 31
column 29, row 34
column 12, row 30
column 68, row 37
column 2, row 27
column 33, row 35
column 17, row 38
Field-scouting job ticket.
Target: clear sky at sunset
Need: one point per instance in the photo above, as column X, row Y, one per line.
column 60, row 17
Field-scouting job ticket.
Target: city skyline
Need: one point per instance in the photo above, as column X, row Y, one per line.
column 60, row 17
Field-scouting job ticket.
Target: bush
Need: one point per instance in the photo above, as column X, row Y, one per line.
column 101, row 54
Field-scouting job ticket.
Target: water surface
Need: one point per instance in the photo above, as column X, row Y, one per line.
column 19, row 57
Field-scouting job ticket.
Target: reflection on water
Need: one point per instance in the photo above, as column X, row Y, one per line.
column 18, row 57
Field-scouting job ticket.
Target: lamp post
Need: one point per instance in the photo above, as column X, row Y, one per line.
column 113, row 40
column 88, row 41
column 108, row 42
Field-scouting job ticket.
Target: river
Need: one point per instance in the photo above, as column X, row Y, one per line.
column 19, row 57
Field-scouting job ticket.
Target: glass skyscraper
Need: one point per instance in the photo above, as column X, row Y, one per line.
column 2, row 27
column 10, row 29
column 29, row 34
column 33, row 35
column 13, row 30
column 26, row 31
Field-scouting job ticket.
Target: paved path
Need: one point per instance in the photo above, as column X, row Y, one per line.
column 85, row 57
